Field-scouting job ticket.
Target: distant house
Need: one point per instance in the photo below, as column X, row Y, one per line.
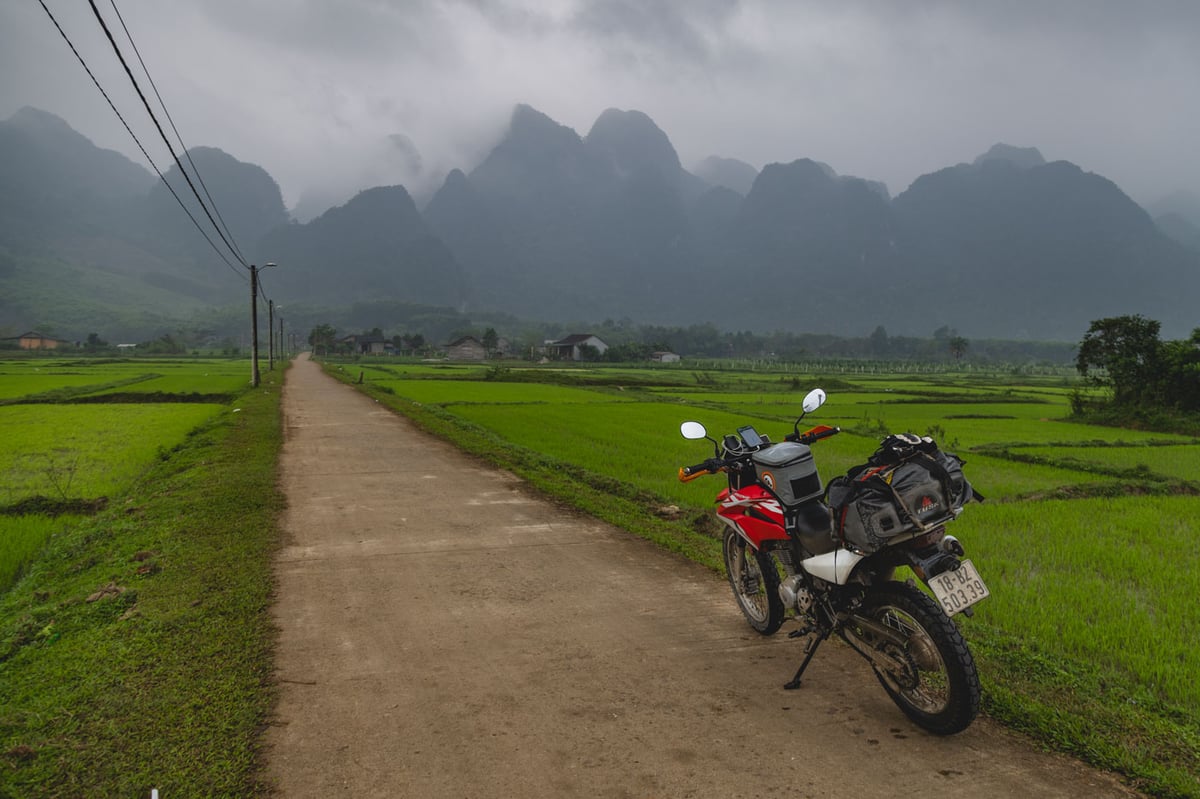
column 569, row 348
column 664, row 357
column 467, row 348
column 366, row 345
column 37, row 341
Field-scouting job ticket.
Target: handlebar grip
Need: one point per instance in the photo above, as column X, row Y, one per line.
column 688, row 473
column 817, row 433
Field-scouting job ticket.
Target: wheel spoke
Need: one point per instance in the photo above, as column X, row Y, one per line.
column 755, row 590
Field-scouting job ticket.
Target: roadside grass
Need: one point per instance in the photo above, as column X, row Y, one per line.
column 135, row 652
column 1087, row 641
column 24, row 538
column 1093, row 582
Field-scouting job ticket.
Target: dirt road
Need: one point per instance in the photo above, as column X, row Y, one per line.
column 445, row 633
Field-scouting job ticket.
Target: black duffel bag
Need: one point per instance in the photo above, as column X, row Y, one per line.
column 908, row 485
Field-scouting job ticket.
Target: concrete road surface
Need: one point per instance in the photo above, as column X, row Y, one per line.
column 444, row 632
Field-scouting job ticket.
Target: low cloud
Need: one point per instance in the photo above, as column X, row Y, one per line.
column 318, row 93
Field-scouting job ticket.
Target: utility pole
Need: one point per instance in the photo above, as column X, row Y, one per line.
column 282, row 346
column 270, row 335
column 254, row 377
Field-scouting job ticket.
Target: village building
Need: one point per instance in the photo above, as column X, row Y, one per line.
column 570, row 348
column 366, row 344
column 467, row 348
column 37, row 341
column 664, row 357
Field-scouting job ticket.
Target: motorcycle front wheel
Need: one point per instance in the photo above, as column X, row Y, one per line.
column 932, row 677
column 755, row 582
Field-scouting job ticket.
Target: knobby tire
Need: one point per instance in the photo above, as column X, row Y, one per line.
column 755, row 581
column 941, row 697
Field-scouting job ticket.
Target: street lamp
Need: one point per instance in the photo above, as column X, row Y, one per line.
column 282, row 346
column 254, row 378
column 270, row 335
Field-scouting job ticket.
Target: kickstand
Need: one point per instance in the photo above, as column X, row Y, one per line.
column 810, row 649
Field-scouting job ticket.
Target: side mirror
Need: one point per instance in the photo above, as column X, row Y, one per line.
column 692, row 431
column 813, row 400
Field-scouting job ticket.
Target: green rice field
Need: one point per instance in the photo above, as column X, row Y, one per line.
column 76, row 432
column 84, row 451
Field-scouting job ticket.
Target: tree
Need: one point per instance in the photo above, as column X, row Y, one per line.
column 490, row 340
column 958, row 347
column 1122, row 354
column 879, row 342
column 1180, row 362
column 632, row 352
column 166, row 344
column 321, row 339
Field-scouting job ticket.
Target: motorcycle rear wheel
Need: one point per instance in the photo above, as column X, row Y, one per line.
column 938, row 686
column 755, row 581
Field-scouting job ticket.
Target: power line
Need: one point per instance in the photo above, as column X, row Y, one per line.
column 132, row 135
column 157, row 125
column 183, row 146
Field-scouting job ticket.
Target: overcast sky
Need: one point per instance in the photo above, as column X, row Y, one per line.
column 353, row 93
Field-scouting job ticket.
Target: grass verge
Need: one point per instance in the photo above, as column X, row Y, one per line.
column 135, row 654
column 1095, row 713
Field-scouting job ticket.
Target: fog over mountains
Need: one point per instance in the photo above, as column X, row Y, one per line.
column 552, row 225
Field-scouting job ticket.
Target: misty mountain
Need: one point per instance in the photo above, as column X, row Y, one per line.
column 1020, row 157
column 816, row 238
column 377, row 245
column 1006, row 245
column 553, row 220
column 1182, row 230
column 57, row 185
column 555, row 226
column 248, row 202
column 84, row 231
column 1184, row 204
column 1039, row 249
column 73, row 223
column 1178, row 216
column 728, row 172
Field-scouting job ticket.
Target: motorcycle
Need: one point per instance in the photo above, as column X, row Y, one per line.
column 828, row 558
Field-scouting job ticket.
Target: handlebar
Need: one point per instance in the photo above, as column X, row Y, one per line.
column 815, row 434
column 688, row 473
column 712, row 465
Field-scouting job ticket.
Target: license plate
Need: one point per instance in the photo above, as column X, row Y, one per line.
column 959, row 589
